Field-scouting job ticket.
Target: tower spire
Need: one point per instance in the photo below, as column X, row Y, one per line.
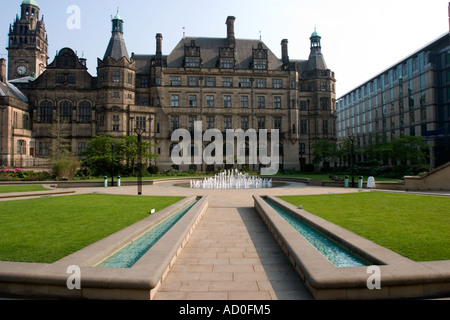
column 117, row 48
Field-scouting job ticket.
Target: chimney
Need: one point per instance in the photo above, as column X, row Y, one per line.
column 3, row 70
column 230, row 30
column 284, row 51
column 159, row 39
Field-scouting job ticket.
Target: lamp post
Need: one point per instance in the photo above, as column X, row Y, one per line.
column 112, row 164
column 352, row 144
column 139, row 131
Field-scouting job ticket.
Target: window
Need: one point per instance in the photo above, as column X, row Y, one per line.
column 227, row 82
column 277, row 123
column 143, row 101
column 244, row 123
column 65, row 111
column 116, row 76
column 226, row 63
column 261, row 123
column 303, row 126
column 141, row 123
column 175, row 123
column 325, row 126
column 209, row 123
column 115, row 124
column 193, row 81
column 144, row 83
column 210, row 82
column 71, row 79
column 192, row 62
column 260, row 83
column 175, row 81
column 261, row 102
column 277, row 83
column 244, row 102
column 227, row 101
column 44, row 148
column 210, row 101
column 277, row 102
column 260, row 65
column 130, row 78
column 46, row 112
column 227, row 124
column 325, row 103
column 21, row 147
column 324, row 86
column 175, row 101
column 302, row 149
column 84, row 112
column 303, row 105
column 244, row 83
column 193, row 101
column 116, row 94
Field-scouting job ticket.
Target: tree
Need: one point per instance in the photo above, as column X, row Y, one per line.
column 105, row 154
column 64, row 163
column 325, row 151
column 409, row 150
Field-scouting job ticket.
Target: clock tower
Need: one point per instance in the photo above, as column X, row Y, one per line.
column 28, row 44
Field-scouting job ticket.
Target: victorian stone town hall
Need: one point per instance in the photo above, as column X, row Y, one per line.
column 225, row 82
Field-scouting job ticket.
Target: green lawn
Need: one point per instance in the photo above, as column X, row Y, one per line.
column 21, row 188
column 415, row 226
column 47, row 229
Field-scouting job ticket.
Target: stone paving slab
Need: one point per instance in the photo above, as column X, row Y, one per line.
column 232, row 256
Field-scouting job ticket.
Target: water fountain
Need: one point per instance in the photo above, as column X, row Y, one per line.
column 231, row 179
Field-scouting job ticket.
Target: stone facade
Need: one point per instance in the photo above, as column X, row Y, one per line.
column 226, row 83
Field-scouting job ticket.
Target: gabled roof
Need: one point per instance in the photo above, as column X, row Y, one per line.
column 210, row 55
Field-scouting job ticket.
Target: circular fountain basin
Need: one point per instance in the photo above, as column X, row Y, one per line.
column 274, row 185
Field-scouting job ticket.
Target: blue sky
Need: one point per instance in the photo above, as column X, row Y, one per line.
column 360, row 38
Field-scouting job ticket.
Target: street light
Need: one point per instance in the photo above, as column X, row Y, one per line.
column 139, row 131
column 352, row 141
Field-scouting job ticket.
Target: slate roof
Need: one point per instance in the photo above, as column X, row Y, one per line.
column 116, row 47
column 209, row 48
column 317, row 62
column 9, row 90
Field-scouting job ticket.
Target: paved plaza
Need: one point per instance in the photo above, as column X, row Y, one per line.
column 231, row 255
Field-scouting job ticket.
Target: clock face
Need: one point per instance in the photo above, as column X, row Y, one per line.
column 22, row 70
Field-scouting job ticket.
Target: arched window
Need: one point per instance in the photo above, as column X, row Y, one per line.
column 65, row 111
column 84, row 112
column 46, row 112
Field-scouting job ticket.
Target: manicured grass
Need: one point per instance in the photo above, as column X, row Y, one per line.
column 415, row 226
column 47, row 229
column 22, row 188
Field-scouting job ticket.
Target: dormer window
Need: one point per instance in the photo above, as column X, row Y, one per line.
column 192, row 55
column 226, row 58
column 226, row 63
column 260, row 65
column 192, row 62
column 260, row 58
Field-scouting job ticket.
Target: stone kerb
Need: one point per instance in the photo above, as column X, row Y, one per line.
column 401, row 277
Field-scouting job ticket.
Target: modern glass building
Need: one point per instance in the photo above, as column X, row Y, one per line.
column 412, row 97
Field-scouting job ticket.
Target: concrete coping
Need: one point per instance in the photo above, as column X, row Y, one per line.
column 138, row 282
column 400, row 277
